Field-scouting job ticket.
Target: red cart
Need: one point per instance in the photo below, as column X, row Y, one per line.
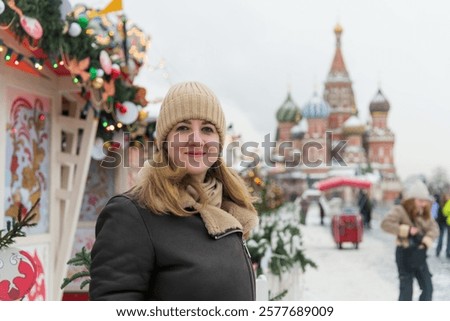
column 348, row 225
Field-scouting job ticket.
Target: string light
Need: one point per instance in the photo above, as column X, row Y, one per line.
column 8, row 54
column 18, row 59
column 39, row 64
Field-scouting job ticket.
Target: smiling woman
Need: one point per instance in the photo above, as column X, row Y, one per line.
column 194, row 145
column 186, row 219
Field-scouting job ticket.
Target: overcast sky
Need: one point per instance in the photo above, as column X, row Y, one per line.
column 249, row 51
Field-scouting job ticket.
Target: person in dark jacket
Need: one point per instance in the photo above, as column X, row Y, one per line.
column 415, row 229
column 365, row 208
column 179, row 234
column 438, row 215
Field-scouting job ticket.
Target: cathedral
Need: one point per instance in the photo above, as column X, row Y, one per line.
column 326, row 138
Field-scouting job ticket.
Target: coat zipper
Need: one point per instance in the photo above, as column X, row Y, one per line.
column 248, row 259
column 218, row 237
column 250, row 268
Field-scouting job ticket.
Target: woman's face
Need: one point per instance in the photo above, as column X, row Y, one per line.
column 421, row 204
column 194, row 144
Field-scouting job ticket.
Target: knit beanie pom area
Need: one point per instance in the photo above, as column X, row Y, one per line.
column 189, row 100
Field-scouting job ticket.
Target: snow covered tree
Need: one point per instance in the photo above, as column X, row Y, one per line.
column 438, row 181
column 276, row 244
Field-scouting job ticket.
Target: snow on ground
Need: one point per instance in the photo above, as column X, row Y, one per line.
column 365, row 274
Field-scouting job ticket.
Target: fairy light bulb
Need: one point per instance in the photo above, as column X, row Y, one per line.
column 18, row 60
column 8, row 55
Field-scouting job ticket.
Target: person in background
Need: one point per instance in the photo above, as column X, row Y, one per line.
column 304, row 206
column 398, row 199
column 446, row 212
column 436, row 211
column 415, row 230
column 365, row 208
column 180, row 233
column 321, row 213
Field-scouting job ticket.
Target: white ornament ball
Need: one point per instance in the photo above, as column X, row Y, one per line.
column 2, row 7
column 74, row 29
column 100, row 72
column 98, row 152
column 130, row 116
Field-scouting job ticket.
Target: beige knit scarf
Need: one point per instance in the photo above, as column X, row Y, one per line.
column 219, row 216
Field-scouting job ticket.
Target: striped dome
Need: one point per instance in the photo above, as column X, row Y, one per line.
column 316, row 107
column 289, row 111
column 379, row 103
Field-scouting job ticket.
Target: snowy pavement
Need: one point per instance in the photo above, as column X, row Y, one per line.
column 365, row 274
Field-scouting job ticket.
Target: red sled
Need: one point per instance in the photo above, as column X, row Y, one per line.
column 347, row 228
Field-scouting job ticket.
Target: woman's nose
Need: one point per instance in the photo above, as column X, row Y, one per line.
column 195, row 137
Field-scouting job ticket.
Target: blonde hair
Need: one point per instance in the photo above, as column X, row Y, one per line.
column 161, row 182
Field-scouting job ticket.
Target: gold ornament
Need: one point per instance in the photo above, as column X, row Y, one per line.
column 142, row 115
column 97, row 83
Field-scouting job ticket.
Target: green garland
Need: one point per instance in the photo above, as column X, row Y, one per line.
column 57, row 44
column 53, row 40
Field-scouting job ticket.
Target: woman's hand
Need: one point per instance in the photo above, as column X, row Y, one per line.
column 413, row 230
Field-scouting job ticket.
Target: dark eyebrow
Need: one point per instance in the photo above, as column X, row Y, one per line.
column 204, row 122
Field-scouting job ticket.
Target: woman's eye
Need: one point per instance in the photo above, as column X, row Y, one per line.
column 182, row 128
column 208, row 129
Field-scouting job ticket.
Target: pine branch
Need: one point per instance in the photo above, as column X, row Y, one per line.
column 279, row 296
column 15, row 229
column 77, row 275
column 82, row 258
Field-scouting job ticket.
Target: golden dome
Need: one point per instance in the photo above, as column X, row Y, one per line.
column 338, row 28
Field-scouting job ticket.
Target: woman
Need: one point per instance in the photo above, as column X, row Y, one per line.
column 179, row 233
column 415, row 229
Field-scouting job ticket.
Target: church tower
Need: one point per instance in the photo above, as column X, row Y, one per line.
column 338, row 91
column 380, row 146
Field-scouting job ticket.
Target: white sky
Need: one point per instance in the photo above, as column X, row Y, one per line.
column 248, row 51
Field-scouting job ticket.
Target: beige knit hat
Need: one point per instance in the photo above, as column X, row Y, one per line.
column 189, row 100
column 417, row 190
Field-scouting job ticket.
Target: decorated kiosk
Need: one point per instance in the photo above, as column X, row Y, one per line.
column 66, row 91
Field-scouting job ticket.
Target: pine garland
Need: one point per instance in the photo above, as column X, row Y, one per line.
column 58, row 45
column 14, row 229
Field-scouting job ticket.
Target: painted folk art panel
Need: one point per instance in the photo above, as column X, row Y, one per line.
column 99, row 189
column 28, row 157
column 23, row 273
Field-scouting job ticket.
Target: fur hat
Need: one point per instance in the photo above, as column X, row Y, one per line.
column 189, row 100
column 417, row 190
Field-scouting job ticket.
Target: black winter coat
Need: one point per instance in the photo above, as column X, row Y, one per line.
column 138, row 255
